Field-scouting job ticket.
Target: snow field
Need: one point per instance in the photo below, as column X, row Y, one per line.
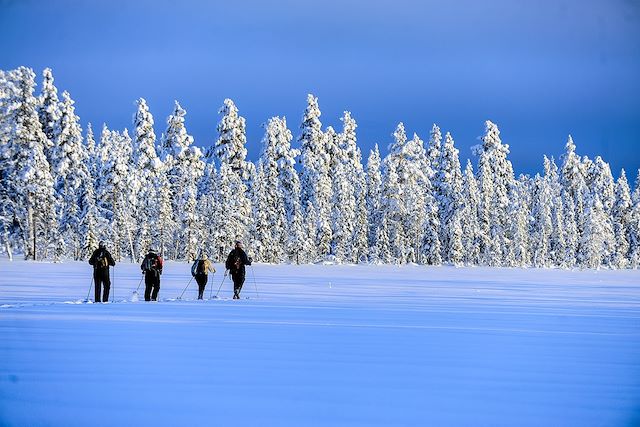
column 322, row 345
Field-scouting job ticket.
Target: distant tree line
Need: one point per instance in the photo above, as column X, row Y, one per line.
column 62, row 190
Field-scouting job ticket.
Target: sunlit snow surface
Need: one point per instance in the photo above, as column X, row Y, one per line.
column 322, row 345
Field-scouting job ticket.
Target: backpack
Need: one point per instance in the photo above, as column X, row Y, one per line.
column 197, row 267
column 102, row 261
column 150, row 262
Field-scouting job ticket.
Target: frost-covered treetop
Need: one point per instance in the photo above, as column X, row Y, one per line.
column 49, row 106
column 348, row 137
column 491, row 138
column 434, row 148
column 399, row 139
column 176, row 139
column 311, row 135
column 143, row 122
column 145, row 139
column 230, row 148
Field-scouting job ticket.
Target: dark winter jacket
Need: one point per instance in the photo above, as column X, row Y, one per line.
column 236, row 261
column 98, row 257
column 152, row 263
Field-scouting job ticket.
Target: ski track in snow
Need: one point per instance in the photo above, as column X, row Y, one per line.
column 322, row 345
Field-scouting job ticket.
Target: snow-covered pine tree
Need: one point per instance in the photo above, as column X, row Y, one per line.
column 183, row 168
column 622, row 222
column 496, row 181
column 315, row 181
column 311, row 224
column 418, row 199
column 92, row 153
column 343, row 210
column 148, row 168
column 431, row 247
column 262, row 242
column 434, row 153
column 289, row 184
column 557, row 248
column 392, row 206
column 382, row 252
column 360, row 247
column 373, row 200
column 69, row 165
column 230, row 146
column 600, row 181
column 270, row 211
column 9, row 233
column 541, row 226
column 353, row 159
column 409, row 161
column 323, row 194
column 88, row 225
column 634, row 226
column 455, row 233
column 49, row 111
column 520, row 213
column 30, row 176
column 311, row 148
column 235, row 206
column 209, row 210
column 598, row 235
column 469, row 217
column 88, row 228
column 115, row 195
column 448, row 189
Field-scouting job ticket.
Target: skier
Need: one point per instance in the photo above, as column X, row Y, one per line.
column 152, row 269
column 236, row 261
column 200, row 270
column 101, row 259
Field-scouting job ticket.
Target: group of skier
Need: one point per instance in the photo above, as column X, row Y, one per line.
column 152, row 265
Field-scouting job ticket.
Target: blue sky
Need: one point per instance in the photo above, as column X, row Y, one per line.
column 540, row 70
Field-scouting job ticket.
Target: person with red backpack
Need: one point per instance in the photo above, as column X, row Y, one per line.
column 101, row 259
column 235, row 263
column 200, row 271
column 152, row 269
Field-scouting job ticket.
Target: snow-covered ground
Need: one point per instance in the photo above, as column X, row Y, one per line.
column 322, row 345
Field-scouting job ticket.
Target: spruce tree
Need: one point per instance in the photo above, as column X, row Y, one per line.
column 541, row 227
column 289, row 185
column 148, row 168
column 32, row 182
column 598, row 235
column 622, row 222
column 183, row 168
column 448, row 189
column 470, row 222
column 230, row 146
column 49, row 111
column 69, row 165
column 374, row 200
column 496, row 181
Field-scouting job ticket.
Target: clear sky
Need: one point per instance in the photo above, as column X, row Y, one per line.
column 540, row 69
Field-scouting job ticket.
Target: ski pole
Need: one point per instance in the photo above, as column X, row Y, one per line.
column 185, row 288
column 113, row 288
column 89, row 293
column 254, row 282
column 219, row 287
column 211, row 288
column 141, row 279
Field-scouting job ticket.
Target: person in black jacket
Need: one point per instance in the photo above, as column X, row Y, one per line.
column 236, row 261
column 101, row 259
column 152, row 269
